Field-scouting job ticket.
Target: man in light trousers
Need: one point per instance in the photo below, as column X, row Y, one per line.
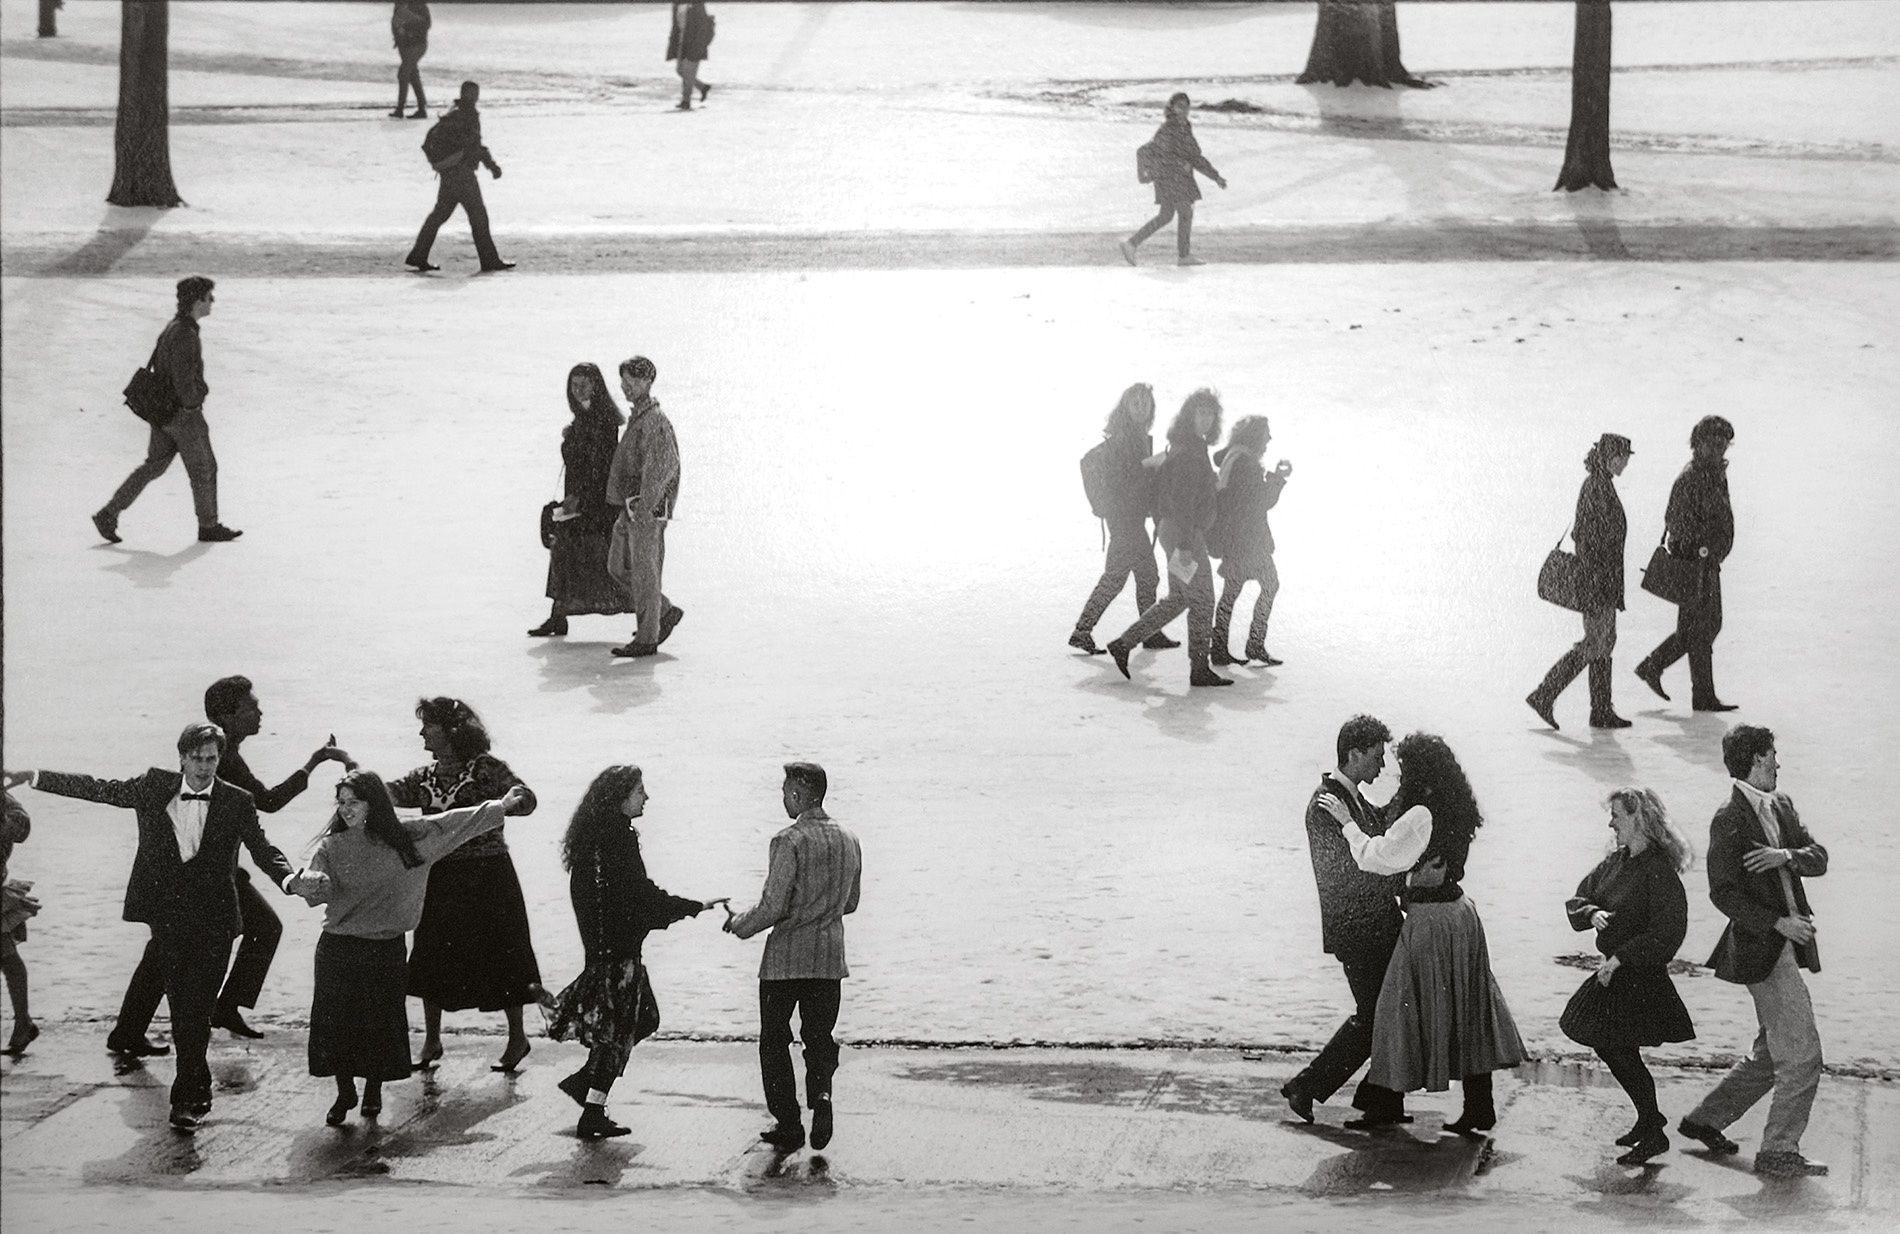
column 644, row 482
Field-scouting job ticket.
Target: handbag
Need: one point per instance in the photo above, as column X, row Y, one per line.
column 1561, row 580
column 1675, row 579
column 150, row 396
column 548, row 523
column 1588, row 1018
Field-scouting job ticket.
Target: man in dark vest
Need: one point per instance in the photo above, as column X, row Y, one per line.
column 457, row 152
column 1700, row 526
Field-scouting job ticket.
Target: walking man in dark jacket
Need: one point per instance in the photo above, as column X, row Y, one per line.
column 455, row 150
column 1699, row 526
column 178, row 359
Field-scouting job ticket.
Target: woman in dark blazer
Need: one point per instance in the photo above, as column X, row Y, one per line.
column 1130, row 499
column 1599, row 533
column 1242, row 537
column 1635, row 902
column 688, row 41
column 609, row 1007
column 578, row 581
column 1175, row 156
column 1184, row 509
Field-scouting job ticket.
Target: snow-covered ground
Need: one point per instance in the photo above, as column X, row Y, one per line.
column 882, row 540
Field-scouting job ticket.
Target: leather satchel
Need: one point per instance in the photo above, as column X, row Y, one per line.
column 548, row 524
column 1675, row 579
column 150, row 396
column 1561, row 580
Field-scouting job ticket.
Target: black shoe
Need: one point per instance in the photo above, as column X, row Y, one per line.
column 595, row 1125
column 1788, row 1165
column 107, row 525
column 1542, row 706
column 550, row 627
column 1610, row 720
column 372, row 1108
column 1712, row 1139
column 421, row 265
column 669, row 619
column 497, row 266
column 1376, row 1122
column 637, row 649
column 1084, row 642
column 1159, row 642
column 1118, row 652
column 1473, row 1123
column 420, row 113
column 509, row 1059
column 231, row 1021
column 1205, row 676
column 1257, row 652
column 820, row 1124
column 1715, row 704
column 1219, row 655
column 704, row 90
column 184, row 1120
column 23, row 1036
column 1651, row 677
column 397, row 114
column 1654, row 1144
column 135, row 1047
column 217, row 533
column 575, row 1086
column 1299, row 1102
column 682, row 107
column 339, row 1110
column 786, row 1137
column 1643, row 1127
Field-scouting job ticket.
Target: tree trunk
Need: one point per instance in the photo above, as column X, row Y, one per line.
column 141, row 142
column 1587, row 155
column 49, row 23
column 1357, row 40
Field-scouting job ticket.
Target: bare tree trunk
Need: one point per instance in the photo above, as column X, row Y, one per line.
column 49, row 23
column 1357, row 40
column 1587, row 155
column 141, row 142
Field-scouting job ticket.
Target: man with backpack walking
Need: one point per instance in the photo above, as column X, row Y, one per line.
column 179, row 368
column 454, row 148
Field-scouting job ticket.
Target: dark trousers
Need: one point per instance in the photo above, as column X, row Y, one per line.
column 262, row 930
column 1129, row 552
column 1697, row 624
column 1351, row 1045
column 193, row 965
column 187, row 435
column 409, row 73
column 1183, row 232
column 1195, row 596
column 458, row 187
column 816, row 999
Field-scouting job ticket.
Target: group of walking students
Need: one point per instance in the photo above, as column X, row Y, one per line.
column 449, row 878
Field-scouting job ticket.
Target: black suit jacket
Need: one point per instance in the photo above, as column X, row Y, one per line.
column 1750, row 946
column 1358, row 912
column 165, row 891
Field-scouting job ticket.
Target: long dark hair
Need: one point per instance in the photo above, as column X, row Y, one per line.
column 381, row 822
column 1182, row 430
column 599, row 815
column 468, row 736
column 1429, row 776
column 600, row 407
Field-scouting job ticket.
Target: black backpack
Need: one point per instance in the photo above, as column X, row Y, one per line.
column 442, row 143
column 1097, row 485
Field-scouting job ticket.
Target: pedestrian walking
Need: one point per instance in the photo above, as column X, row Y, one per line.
column 1699, row 526
column 688, row 41
column 1118, row 476
column 1635, row 902
column 409, row 26
column 1359, row 926
column 49, row 18
column 17, row 905
column 578, row 581
column 811, row 883
column 472, row 946
column 610, row 1007
column 455, row 150
column 1759, row 852
column 1242, row 538
column 1170, row 159
column 178, row 362
column 1185, row 506
column 1441, row 1016
column 370, row 872
column 182, row 886
column 643, row 484
column 231, row 704
column 1598, row 532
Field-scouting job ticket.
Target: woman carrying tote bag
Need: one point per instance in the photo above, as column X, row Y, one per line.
column 1599, row 531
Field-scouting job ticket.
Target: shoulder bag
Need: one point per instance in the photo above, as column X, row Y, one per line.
column 1675, row 579
column 1560, row 582
column 150, row 395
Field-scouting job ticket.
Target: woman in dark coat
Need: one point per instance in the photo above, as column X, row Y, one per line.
column 578, row 581
column 472, row 946
column 1128, row 474
column 1242, row 538
column 609, row 1007
column 1174, row 157
column 17, row 905
column 409, row 25
column 1599, row 532
column 1635, row 902
column 688, row 42
column 1184, row 509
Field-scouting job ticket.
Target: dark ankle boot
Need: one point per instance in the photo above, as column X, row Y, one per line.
column 595, row 1125
column 1480, row 1113
column 1602, row 710
column 1202, row 675
column 1218, row 653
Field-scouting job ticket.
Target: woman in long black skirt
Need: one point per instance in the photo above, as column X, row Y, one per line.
column 370, row 871
column 1635, row 902
column 472, row 947
column 610, row 1007
column 578, row 581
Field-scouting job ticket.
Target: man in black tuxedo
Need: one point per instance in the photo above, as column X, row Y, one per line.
column 1359, row 925
column 1758, row 854
column 231, row 704
column 182, row 885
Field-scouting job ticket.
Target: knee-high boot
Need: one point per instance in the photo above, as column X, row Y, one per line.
column 1602, row 710
column 1224, row 623
column 1561, row 674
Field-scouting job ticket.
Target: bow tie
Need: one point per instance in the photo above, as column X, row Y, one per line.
column 194, row 796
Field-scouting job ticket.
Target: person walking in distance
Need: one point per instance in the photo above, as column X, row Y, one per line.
column 17, row 905
column 454, row 147
column 687, row 44
column 811, row 884
column 1173, row 157
column 1759, row 852
column 1599, row 533
column 1185, row 507
column 578, row 581
column 1698, row 526
column 1122, row 490
column 1242, row 537
column 409, row 25
column 1359, row 926
column 182, row 886
column 643, row 483
column 179, row 359
column 231, row 704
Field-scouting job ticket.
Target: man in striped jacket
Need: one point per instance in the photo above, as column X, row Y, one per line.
column 811, row 884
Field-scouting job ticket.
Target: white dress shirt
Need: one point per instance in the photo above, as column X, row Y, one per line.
column 188, row 820
column 1395, row 852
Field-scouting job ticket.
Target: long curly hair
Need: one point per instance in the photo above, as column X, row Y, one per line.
column 381, row 822
column 599, row 816
column 1182, row 429
column 1430, row 776
column 1126, row 418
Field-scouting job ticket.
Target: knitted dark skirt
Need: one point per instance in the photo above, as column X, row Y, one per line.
column 472, row 947
column 359, row 1024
